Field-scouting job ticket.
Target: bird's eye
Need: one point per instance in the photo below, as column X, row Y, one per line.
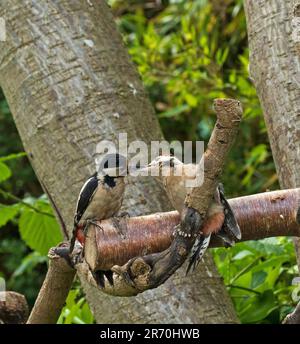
column 114, row 161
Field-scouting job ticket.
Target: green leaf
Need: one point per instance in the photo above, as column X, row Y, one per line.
column 242, row 254
column 86, row 314
column 29, row 263
column 191, row 100
column 258, row 278
column 245, row 270
column 71, row 299
column 272, row 263
column 76, row 310
column 174, row 112
column 7, row 213
column 5, row 172
column 40, row 232
column 258, row 307
column 12, row 156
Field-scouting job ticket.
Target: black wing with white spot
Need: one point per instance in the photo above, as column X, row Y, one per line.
column 200, row 246
column 85, row 196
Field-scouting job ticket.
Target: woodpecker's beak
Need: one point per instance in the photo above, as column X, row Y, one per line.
column 149, row 167
column 144, row 168
column 157, row 167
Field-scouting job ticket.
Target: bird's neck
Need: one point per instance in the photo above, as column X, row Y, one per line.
column 110, row 181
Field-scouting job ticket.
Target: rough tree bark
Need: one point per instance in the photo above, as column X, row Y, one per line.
column 13, row 308
column 274, row 42
column 54, row 290
column 69, row 84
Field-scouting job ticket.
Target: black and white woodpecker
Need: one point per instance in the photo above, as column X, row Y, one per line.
column 219, row 220
column 101, row 196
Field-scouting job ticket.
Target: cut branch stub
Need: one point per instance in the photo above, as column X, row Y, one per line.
column 152, row 270
column 55, row 288
column 13, row 308
column 229, row 115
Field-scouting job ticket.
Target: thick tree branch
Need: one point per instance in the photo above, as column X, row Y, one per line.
column 259, row 216
column 275, row 72
column 55, row 289
column 263, row 215
column 229, row 115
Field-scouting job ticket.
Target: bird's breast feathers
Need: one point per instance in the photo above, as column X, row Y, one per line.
column 106, row 201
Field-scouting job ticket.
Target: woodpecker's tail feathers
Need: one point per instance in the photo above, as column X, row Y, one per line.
column 109, row 275
column 100, row 277
column 230, row 226
column 200, row 246
column 73, row 239
column 227, row 238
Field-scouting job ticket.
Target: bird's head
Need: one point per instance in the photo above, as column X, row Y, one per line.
column 162, row 165
column 113, row 165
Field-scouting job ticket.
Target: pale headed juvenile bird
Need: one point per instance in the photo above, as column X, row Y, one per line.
column 100, row 198
column 219, row 220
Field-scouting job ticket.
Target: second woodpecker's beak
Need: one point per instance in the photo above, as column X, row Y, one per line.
column 144, row 168
column 148, row 168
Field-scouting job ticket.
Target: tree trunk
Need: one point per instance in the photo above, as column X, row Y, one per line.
column 69, row 84
column 274, row 42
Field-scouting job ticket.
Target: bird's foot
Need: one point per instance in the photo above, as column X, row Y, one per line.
column 124, row 214
column 92, row 222
column 76, row 256
column 120, row 225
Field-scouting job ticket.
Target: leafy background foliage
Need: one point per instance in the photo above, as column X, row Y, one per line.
column 188, row 52
column 258, row 275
